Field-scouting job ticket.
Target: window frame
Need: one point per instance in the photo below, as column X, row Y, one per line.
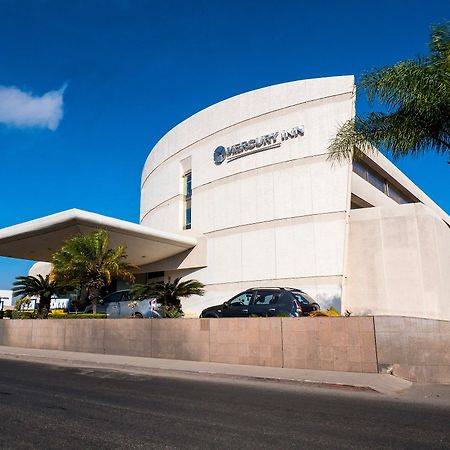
column 187, row 201
column 275, row 293
column 250, row 293
column 371, row 175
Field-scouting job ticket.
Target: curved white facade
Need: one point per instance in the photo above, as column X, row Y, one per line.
column 276, row 217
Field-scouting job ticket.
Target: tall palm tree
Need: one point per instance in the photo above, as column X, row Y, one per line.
column 170, row 293
column 38, row 286
column 416, row 96
column 87, row 262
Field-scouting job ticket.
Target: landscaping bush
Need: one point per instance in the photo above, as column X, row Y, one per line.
column 7, row 313
column 76, row 316
column 330, row 312
column 23, row 314
column 33, row 315
column 170, row 312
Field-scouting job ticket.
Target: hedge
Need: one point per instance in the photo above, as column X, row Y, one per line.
column 76, row 316
column 23, row 314
column 32, row 315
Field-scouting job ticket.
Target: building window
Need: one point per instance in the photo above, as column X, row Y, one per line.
column 396, row 195
column 187, row 200
column 360, row 169
column 369, row 175
column 378, row 181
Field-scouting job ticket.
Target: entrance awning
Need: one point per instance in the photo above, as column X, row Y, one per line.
column 38, row 239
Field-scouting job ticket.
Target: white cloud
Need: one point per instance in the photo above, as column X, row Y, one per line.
column 21, row 109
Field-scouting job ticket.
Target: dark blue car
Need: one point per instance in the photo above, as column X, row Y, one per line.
column 264, row 302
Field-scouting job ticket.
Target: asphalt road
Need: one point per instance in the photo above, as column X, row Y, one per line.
column 54, row 407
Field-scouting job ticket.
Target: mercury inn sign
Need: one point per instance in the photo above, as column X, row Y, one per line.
column 262, row 143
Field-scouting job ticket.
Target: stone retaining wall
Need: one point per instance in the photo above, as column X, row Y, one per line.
column 416, row 349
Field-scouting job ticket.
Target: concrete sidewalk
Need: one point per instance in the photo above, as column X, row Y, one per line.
column 370, row 382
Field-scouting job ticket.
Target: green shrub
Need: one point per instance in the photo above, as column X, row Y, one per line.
column 7, row 313
column 23, row 315
column 170, row 312
column 76, row 316
column 33, row 315
column 282, row 314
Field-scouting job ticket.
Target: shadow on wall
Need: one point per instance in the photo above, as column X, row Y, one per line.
column 325, row 301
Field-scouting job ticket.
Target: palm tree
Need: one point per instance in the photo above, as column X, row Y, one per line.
column 38, row 286
column 170, row 293
column 416, row 95
column 87, row 262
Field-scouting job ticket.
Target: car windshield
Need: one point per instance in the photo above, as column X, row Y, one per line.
column 301, row 296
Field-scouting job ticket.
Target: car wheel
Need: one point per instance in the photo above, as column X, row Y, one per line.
column 138, row 316
column 211, row 316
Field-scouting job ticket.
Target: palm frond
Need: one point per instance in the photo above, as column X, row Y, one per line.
column 169, row 293
column 416, row 96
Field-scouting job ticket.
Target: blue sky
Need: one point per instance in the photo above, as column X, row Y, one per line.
column 117, row 75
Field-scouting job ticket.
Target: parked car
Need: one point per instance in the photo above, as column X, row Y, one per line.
column 116, row 306
column 265, row 302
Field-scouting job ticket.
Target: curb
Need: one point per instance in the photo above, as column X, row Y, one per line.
column 76, row 363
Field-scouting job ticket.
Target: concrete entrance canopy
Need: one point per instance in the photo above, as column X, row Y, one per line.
column 38, row 239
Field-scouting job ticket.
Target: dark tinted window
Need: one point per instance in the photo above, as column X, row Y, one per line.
column 396, row 195
column 376, row 180
column 188, row 185
column 266, row 297
column 360, row 169
column 125, row 297
column 115, row 297
column 286, row 298
column 241, row 299
column 187, row 200
column 303, row 298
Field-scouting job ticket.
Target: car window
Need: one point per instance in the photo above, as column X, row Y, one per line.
column 115, row 297
column 241, row 299
column 266, row 297
column 286, row 298
column 302, row 298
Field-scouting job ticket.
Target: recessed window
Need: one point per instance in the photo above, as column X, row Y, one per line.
column 187, row 200
column 360, row 169
column 377, row 180
column 396, row 195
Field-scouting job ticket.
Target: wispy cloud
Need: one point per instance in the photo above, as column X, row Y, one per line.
column 22, row 109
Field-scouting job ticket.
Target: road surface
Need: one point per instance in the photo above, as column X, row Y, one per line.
column 50, row 407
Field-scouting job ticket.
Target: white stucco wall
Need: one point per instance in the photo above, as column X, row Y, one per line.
column 40, row 268
column 6, row 296
column 274, row 218
column 398, row 262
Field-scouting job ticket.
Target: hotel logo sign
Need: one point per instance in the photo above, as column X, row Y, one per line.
column 260, row 144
